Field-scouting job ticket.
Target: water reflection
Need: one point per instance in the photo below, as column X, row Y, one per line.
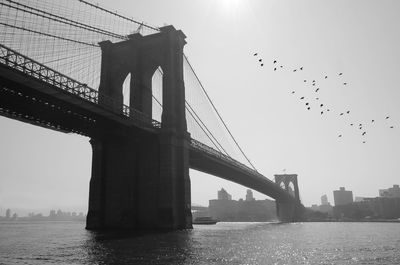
column 224, row 243
column 139, row 248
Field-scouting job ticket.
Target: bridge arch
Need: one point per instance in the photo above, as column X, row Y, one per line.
column 157, row 94
column 126, row 90
column 282, row 185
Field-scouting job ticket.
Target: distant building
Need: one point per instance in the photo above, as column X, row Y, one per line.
column 315, row 207
column 324, row 200
column 249, row 210
column 8, row 213
column 342, row 196
column 393, row 192
column 249, row 195
column 369, row 208
column 224, row 195
column 361, row 199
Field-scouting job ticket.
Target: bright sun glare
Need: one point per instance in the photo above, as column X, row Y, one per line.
column 231, row 6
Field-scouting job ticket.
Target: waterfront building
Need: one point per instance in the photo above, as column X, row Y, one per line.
column 8, row 213
column 360, row 199
column 342, row 196
column 369, row 208
column 249, row 210
column 324, row 200
column 393, row 192
column 249, row 195
column 224, row 195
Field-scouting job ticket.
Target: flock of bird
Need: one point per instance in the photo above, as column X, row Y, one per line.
column 322, row 108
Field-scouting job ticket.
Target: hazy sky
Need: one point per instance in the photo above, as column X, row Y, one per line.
column 43, row 169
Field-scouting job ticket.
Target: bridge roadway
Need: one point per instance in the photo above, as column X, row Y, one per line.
column 33, row 93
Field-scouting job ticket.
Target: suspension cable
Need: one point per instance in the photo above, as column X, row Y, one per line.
column 49, row 35
column 61, row 19
column 216, row 111
column 118, row 15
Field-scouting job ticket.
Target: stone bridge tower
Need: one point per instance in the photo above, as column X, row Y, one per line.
column 140, row 179
column 289, row 212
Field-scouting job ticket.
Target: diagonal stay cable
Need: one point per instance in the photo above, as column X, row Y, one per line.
column 215, row 109
column 202, row 125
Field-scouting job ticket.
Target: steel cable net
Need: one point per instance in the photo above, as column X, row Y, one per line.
column 64, row 34
column 204, row 124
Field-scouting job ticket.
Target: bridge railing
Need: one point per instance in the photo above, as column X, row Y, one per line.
column 30, row 67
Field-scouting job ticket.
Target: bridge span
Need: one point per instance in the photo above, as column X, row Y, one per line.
column 140, row 171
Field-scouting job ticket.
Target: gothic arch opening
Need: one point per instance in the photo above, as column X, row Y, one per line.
column 157, row 94
column 291, row 188
column 126, row 90
column 282, row 185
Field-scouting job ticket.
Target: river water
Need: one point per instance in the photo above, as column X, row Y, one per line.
column 223, row 243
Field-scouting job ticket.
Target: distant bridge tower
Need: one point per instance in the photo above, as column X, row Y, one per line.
column 141, row 179
column 289, row 211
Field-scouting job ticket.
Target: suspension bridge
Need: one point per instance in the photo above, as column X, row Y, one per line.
column 76, row 67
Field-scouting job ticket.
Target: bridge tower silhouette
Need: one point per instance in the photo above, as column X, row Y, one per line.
column 141, row 179
column 289, row 211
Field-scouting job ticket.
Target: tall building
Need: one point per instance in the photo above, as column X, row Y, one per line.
column 249, row 195
column 342, row 196
column 324, row 200
column 224, row 195
column 393, row 192
column 8, row 213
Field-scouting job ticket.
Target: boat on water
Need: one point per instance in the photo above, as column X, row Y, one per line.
column 205, row 220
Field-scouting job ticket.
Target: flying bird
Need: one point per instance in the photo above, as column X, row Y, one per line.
column 391, row 127
column 351, row 124
column 301, row 68
column 321, row 105
column 340, row 73
column 275, row 69
column 341, row 114
column 327, row 110
column 302, row 98
column 364, row 133
column 317, row 98
column 387, row 117
column 293, row 92
column 281, row 66
column 326, row 77
column 348, row 111
column 308, row 108
column 340, row 135
column 313, row 84
column 294, row 70
column 372, row 120
column 260, row 60
column 344, row 84
column 255, row 54
column 316, row 90
column 322, row 112
column 262, row 64
column 307, row 104
column 363, row 142
column 275, row 61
